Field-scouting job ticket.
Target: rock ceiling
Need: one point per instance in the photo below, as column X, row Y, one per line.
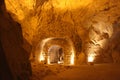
column 86, row 20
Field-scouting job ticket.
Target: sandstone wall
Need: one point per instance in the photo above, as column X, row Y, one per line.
column 88, row 23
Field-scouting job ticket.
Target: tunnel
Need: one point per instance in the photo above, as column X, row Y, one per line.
column 58, row 50
column 59, row 39
column 55, row 54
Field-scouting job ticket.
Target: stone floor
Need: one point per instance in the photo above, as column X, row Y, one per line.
column 82, row 72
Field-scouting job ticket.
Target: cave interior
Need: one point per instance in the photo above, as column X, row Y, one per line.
column 59, row 39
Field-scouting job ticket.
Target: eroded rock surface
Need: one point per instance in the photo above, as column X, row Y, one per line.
column 88, row 23
column 15, row 64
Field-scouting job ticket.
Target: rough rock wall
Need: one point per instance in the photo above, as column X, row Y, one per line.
column 113, row 46
column 88, row 23
column 103, row 29
column 4, row 68
column 11, row 48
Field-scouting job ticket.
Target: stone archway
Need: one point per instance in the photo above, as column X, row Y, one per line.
column 56, row 46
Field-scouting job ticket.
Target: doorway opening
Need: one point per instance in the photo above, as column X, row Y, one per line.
column 56, row 50
column 56, row 54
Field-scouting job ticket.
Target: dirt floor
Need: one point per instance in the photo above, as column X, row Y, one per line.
column 82, row 72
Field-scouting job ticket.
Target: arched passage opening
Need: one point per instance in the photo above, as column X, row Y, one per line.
column 55, row 50
column 56, row 54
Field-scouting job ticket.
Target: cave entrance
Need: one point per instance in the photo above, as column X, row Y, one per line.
column 56, row 55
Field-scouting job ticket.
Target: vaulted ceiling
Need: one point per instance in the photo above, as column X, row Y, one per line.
column 80, row 20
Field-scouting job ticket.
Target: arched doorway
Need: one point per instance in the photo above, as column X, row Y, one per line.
column 56, row 54
column 56, row 50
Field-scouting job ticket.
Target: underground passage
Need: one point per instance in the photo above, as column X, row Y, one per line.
column 55, row 54
column 59, row 39
column 52, row 51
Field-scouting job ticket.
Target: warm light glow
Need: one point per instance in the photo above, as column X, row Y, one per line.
column 42, row 58
column 72, row 59
column 91, row 58
column 59, row 62
column 70, row 4
column 48, row 60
